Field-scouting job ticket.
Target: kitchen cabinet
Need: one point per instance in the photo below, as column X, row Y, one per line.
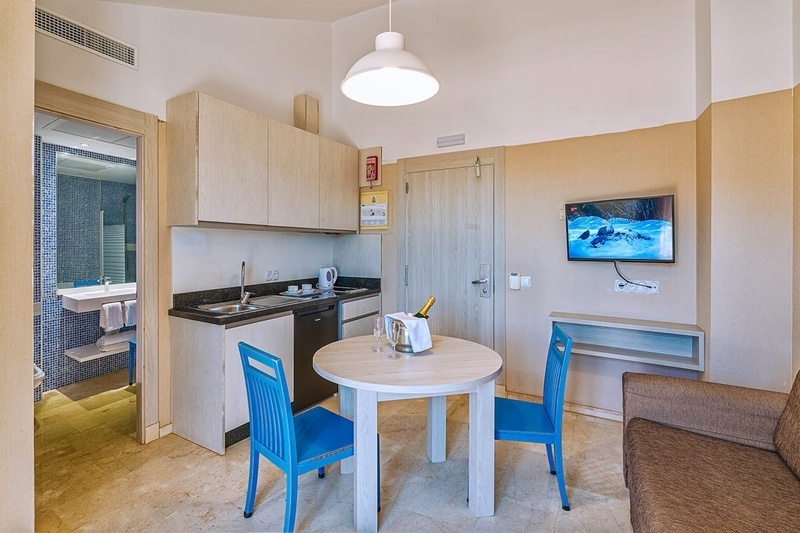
column 356, row 316
column 293, row 191
column 338, row 186
column 217, row 161
column 208, row 392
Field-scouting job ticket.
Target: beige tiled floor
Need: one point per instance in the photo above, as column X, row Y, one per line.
column 91, row 475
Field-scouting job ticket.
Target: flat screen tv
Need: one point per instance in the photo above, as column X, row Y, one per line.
column 626, row 229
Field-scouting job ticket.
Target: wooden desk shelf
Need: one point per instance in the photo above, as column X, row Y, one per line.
column 628, row 339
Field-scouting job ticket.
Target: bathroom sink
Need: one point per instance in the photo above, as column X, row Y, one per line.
column 82, row 299
column 229, row 309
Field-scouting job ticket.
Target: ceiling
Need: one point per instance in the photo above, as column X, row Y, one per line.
column 318, row 10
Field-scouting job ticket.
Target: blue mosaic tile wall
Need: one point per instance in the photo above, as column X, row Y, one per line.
column 59, row 329
column 37, row 261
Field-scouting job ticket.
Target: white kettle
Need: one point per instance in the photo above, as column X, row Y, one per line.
column 327, row 277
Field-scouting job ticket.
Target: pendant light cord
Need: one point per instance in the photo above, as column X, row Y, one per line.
column 390, row 15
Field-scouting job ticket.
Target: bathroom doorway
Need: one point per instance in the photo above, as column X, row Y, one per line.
column 152, row 262
column 84, row 234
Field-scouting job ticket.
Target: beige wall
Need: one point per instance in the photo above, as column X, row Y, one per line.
column 16, row 266
column 389, row 241
column 540, row 178
column 703, row 180
column 751, row 241
column 796, row 227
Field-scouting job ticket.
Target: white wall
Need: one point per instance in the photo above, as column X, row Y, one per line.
column 212, row 258
column 796, row 41
column 751, row 47
column 517, row 71
column 256, row 63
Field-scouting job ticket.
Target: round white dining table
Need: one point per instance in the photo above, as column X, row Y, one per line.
column 451, row 366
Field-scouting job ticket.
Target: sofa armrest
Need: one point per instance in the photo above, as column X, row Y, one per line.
column 737, row 414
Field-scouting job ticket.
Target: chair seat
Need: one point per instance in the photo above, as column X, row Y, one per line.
column 314, row 445
column 522, row 421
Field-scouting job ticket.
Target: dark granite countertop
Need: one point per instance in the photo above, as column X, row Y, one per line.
column 184, row 304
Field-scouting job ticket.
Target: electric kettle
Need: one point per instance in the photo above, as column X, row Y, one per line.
column 327, row 277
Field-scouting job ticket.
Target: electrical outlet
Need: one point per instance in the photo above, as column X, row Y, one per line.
column 646, row 287
column 269, row 275
column 276, row 275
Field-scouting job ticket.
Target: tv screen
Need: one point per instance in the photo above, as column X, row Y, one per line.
column 627, row 229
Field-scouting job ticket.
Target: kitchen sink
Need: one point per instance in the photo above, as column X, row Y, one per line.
column 276, row 300
column 229, row 309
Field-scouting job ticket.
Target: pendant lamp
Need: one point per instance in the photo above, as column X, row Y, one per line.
column 390, row 76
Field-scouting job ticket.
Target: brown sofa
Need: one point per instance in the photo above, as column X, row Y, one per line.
column 702, row 456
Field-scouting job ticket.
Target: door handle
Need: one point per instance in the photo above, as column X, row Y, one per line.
column 485, row 280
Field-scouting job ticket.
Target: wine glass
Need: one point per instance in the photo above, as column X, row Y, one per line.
column 377, row 332
column 393, row 335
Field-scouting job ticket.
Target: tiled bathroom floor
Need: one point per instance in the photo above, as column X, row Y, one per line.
column 91, row 475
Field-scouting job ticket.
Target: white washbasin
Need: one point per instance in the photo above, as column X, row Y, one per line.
column 92, row 298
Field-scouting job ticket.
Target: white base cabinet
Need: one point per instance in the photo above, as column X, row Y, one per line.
column 208, row 393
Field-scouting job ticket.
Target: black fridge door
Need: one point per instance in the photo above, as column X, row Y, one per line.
column 313, row 329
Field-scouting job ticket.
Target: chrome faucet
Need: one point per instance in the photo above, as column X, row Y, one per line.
column 105, row 281
column 244, row 296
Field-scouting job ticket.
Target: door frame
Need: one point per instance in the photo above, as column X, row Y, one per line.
column 72, row 105
column 488, row 156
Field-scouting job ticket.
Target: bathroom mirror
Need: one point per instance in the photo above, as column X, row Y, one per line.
column 96, row 219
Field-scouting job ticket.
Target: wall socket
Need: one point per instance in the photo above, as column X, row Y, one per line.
column 273, row 275
column 621, row 285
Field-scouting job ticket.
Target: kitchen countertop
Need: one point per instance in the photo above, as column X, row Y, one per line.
column 184, row 303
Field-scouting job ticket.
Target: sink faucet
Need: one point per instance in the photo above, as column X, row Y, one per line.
column 244, row 296
column 104, row 281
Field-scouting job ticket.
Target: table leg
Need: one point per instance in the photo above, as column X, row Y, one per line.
column 481, row 450
column 366, row 456
column 437, row 428
column 347, row 410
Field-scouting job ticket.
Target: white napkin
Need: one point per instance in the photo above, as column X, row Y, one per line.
column 111, row 316
column 110, row 342
column 418, row 331
column 129, row 312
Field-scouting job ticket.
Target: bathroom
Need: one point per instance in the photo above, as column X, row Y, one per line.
column 84, row 229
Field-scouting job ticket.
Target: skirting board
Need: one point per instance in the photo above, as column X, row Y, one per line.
column 596, row 412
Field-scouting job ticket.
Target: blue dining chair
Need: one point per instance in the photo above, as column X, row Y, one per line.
column 294, row 443
column 522, row 421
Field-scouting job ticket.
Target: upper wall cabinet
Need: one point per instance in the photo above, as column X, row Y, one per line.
column 293, row 177
column 338, row 186
column 217, row 162
column 230, row 165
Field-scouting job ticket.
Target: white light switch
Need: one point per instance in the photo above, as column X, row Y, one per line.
column 526, row 281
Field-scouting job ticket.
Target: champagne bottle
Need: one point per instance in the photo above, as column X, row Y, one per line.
column 423, row 312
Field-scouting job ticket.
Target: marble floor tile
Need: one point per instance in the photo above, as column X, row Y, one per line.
column 92, row 475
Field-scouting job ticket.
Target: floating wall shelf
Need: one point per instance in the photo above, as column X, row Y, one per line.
column 628, row 339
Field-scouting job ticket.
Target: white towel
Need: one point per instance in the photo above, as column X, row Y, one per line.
column 112, row 341
column 418, row 331
column 129, row 312
column 111, row 316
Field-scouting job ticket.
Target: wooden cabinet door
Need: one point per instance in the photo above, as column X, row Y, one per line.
column 275, row 336
column 232, row 163
column 338, row 185
column 293, row 192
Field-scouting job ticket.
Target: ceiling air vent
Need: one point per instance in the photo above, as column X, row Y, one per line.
column 89, row 39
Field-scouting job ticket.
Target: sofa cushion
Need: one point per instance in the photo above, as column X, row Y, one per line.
column 787, row 433
column 683, row 481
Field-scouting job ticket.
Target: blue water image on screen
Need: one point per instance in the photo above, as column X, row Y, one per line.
column 635, row 229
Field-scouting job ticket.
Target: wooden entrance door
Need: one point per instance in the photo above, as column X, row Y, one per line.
column 449, row 235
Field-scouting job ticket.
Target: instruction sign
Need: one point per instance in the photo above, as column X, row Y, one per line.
column 375, row 210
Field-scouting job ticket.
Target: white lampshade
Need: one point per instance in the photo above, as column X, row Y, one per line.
column 389, row 76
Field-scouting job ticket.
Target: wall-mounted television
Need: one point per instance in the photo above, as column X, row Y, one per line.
column 626, row 229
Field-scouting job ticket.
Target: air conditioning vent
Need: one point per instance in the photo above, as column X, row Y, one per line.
column 89, row 39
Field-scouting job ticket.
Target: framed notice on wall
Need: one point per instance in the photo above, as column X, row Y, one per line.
column 375, row 210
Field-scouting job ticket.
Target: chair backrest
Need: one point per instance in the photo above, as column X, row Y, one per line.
column 271, row 419
column 555, row 374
